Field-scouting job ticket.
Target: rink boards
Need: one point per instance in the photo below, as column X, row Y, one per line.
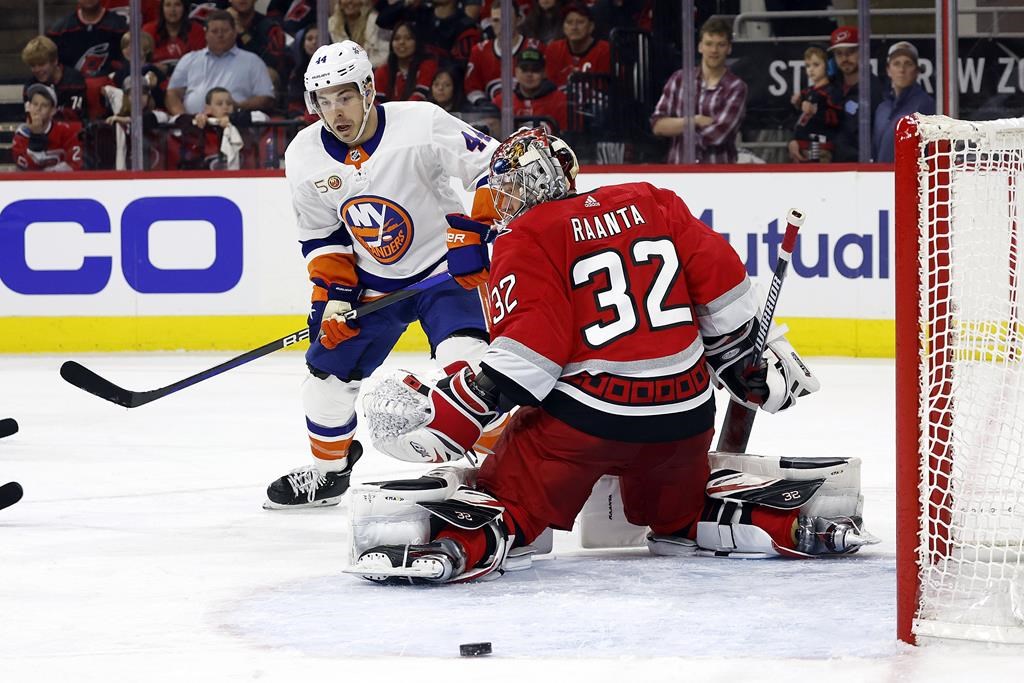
column 108, row 262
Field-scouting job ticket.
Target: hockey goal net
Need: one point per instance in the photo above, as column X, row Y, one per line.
column 960, row 379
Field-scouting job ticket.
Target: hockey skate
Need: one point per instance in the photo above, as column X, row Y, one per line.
column 392, row 565
column 832, row 535
column 308, row 487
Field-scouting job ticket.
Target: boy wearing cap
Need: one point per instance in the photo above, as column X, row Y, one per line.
column 534, row 94
column 844, row 47
column 905, row 96
column 579, row 50
column 43, row 144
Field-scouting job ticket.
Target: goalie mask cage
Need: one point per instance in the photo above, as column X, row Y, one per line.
column 959, row 380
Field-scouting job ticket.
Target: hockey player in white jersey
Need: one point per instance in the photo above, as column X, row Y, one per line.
column 371, row 191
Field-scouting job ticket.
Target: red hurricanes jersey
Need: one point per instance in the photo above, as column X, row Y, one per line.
column 599, row 303
column 483, row 73
column 63, row 151
column 561, row 62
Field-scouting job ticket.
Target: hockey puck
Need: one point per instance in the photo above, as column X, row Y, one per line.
column 474, row 649
column 11, row 493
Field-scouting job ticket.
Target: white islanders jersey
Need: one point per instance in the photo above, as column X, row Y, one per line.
column 383, row 203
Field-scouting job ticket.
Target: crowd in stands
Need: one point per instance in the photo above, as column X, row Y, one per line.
column 223, row 83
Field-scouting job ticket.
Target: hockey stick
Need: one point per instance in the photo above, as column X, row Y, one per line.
column 10, row 493
column 739, row 419
column 8, row 426
column 87, row 380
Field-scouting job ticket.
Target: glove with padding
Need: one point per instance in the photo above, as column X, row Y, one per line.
column 773, row 382
column 415, row 419
column 327, row 318
column 468, row 259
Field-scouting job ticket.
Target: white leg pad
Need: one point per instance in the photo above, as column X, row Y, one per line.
column 839, row 495
column 603, row 520
column 385, row 516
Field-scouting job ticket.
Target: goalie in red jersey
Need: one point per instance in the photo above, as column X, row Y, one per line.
column 613, row 313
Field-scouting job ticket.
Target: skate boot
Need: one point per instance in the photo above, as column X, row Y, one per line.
column 392, row 565
column 308, row 487
column 832, row 535
column 669, row 545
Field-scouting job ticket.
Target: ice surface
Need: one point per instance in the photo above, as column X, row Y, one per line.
column 141, row 553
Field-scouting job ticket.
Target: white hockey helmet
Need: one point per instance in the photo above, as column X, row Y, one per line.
column 528, row 168
column 338, row 64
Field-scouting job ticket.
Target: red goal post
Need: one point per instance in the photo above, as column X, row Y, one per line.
column 959, row 380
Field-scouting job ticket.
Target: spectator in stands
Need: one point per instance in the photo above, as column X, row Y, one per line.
column 818, row 116
column 483, row 15
column 544, row 21
column 446, row 32
column 534, row 95
column 609, row 14
column 174, row 34
column 293, row 15
column 155, row 77
column 905, row 96
column 111, row 147
column 721, row 101
column 150, row 9
column 89, row 39
column 579, row 50
column 43, row 144
column 260, row 35
column 40, row 56
column 483, row 74
column 844, row 47
column 446, row 90
column 220, row 64
column 408, row 72
column 306, row 42
column 355, row 20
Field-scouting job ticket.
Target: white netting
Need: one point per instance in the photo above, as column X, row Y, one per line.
column 972, row 380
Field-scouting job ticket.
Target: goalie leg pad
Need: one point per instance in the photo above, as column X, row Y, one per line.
column 795, row 507
column 460, row 347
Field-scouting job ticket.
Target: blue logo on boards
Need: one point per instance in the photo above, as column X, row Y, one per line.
column 138, row 217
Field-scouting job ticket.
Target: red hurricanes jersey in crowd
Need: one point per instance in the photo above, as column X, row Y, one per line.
column 561, row 61
column 62, row 147
column 549, row 102
column 598, row 306
column 483, row 74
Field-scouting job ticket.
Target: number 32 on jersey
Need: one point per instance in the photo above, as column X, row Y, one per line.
column 616, row 298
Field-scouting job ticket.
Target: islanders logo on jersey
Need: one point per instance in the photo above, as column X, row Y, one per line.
column 382, row 227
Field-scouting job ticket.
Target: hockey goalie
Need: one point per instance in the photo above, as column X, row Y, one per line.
column 613, row 312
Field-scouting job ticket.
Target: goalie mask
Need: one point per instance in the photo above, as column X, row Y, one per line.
column 330, row 69
column 528, row 168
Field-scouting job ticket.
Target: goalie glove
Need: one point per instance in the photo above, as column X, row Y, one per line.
column 414, row 419
column 468, row 259
column 774, row 382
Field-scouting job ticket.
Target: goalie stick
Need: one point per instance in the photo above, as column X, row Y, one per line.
column 739, row 419
column 87, row 380
column 8, row 426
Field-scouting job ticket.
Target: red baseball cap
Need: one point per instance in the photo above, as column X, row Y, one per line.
column 844, row 36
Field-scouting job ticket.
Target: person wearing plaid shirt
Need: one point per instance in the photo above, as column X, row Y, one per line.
column 721, row 102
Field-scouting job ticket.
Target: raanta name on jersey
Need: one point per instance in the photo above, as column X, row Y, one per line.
column 586, row 228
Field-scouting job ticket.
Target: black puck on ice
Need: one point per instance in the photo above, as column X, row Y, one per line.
column 474, row 649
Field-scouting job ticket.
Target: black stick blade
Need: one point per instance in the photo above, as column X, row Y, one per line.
column 8, row 426
column 87, row 380
column 10, row 493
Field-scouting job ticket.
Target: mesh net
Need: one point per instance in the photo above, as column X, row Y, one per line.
column 972, row 380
